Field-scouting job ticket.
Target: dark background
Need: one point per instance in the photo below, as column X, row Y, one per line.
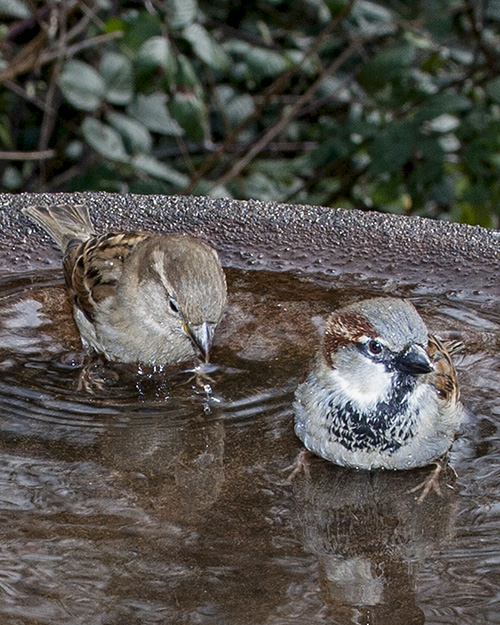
column 390, row 106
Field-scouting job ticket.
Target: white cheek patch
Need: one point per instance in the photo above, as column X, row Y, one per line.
column 366, row 387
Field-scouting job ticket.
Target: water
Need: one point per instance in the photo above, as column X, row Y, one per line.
column 161, row 496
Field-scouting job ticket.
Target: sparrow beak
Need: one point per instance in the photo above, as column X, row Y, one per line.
column 414, row 360
column 202, row 336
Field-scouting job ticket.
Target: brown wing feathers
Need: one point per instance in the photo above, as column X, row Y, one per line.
column 446, row 382
column 93, row 269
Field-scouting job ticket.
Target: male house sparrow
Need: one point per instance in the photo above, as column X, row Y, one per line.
column 382, row 393
column 137, row 297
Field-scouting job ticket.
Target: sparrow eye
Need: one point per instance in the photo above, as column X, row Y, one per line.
column 173, row 305
column 375, row 347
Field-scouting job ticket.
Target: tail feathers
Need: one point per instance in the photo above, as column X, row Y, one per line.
column 63, row 222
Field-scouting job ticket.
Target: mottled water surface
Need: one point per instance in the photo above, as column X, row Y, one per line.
column 141, row 497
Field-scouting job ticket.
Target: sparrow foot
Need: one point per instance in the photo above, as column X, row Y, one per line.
column 301, row 463
column 431, row 482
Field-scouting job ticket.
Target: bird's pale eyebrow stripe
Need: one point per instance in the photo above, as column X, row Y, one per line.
column 157, row 265
column 157, row 261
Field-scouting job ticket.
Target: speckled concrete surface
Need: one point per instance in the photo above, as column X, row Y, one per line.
column 410, row 250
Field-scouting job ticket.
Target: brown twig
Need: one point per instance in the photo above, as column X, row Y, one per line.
column 27, row 156
column 278, row 86
column 276, row 147
column 18, row 90
column 287, row 116
column 70, row 51
column 27, row 59
column 49, row 113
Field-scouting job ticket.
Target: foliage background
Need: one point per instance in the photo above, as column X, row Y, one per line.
column 381, row 105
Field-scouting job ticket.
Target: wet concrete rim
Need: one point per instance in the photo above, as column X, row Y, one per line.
column 438, row 255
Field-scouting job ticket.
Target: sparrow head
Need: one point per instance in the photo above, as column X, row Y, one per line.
column 369, row 345
column 189, row 282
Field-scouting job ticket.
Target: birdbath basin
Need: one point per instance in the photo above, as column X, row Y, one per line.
column 161, row 496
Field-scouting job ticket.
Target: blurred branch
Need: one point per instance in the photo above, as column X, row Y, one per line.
column 475, row 13
column 276, row 147
column 50, row 111
column 35, row 53
column 27, row 156
column 27, row 59
column 81, row 45
column 287, row 116
column 237, row 33
column 18, row 90
column 278, row 86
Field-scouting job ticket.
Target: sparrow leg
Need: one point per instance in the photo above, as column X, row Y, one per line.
column 301, row 463
column 431, row 482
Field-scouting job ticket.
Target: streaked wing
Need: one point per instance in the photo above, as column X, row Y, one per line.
column 445, row 377
column 93, row 269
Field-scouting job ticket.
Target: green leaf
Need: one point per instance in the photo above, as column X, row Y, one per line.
column 11, row 179
column 81, row 85
column 180, row 13
column 426, row 175
column 205, row 47
column 440, row 104
column 476, row 155
column 265, row 63
column 155, row 168
column 370, row 15
column 186, row 76
column 386, row 192
column 113, row 25
column 135, row 135
column 475, row 215
column 139, row 27
column 14, row 8
column 386, row 65
column 444, row 123
column 191, row 113
column 104, row 140
column 493, row 90
column 149, row 186
column 74, row 150
column 156, row 53
column 335, row 6
column 235, row 107
column 116, row 71
column 102, row 176
column 151, row 110
column 391, row 149
column 261, row 186
column 492, row 10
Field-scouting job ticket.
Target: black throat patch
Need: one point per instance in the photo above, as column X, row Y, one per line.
column 385, row 428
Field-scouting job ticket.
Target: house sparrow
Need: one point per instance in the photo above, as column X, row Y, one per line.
column 382, row 393
column 137, row 298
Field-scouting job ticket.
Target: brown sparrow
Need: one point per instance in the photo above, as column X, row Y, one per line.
column 382, row 393
column 144, row 298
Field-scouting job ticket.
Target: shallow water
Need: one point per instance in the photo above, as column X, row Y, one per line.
column 161, row 496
